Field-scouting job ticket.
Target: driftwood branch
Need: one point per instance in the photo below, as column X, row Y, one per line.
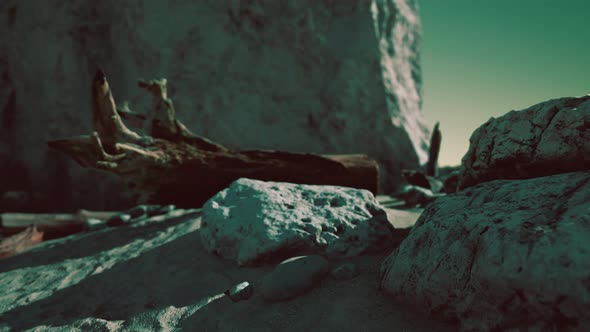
column 175, row 166
column 435, row 140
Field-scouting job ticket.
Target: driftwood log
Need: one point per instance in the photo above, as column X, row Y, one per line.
column 175, row 166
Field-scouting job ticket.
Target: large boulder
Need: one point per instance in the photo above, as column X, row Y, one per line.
column 549, row 138
column 254, row 222
column 503, row 254
column 303, row 76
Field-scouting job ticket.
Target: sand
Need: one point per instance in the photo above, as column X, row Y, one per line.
column 155, row 276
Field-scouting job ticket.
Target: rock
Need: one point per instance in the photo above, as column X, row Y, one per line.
column 345, row 271
column 294, row 277
column 415, row 195
column 501, row 255
column 241, row 291
column 346, row 68
column 253, row 222
column 549, row 138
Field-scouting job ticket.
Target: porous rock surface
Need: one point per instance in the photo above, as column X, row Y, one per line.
column 252, row 222
column 503, row 254
column 302, row 76
column 549, row 138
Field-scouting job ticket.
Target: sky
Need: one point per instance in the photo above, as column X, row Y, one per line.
column 485, row 58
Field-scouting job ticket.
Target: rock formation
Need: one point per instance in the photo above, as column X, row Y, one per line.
column 302, row 76
column 503, row 254
column 549, row 138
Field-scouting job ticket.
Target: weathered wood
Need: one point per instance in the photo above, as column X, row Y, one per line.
column 22, row 220
column 434, row 150
column 175, row 166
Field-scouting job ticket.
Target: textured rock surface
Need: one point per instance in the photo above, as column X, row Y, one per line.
column 294, row 277
column 502, row 254
column 310, row 76
column 254, row 221
column 156, row 276
column 548, row 138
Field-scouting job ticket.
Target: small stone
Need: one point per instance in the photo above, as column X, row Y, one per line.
column 294, row 277
column 241, row 291
column 345, row 271
column 119, row 220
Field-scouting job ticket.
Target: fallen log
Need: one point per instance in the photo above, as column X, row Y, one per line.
column 175, row 166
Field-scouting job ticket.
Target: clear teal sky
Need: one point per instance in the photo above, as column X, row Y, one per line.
column 483, row 58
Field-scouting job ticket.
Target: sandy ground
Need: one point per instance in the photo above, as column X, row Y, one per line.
column 155, row 276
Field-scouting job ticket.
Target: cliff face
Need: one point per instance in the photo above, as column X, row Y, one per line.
column 304, row 76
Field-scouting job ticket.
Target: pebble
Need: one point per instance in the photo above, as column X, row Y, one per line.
column 241, row 291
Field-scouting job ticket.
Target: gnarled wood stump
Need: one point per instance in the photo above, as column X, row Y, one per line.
column 175, row 166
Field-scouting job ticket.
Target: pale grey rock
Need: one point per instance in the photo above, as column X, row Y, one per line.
column 240, row 292
column 252, row 222
column 315, row 76
column 549, row 138
column 501, row 255
column 294, row 277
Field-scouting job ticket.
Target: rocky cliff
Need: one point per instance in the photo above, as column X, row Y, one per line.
column 305, row 76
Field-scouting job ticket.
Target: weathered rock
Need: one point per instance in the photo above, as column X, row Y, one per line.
column 415, row 195
column 253, row 221
column 316, row 76
column 548, row 138
column 294, row 277
column 503, row 254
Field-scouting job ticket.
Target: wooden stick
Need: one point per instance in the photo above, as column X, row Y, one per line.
column 434, row 149
column 48, row 220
